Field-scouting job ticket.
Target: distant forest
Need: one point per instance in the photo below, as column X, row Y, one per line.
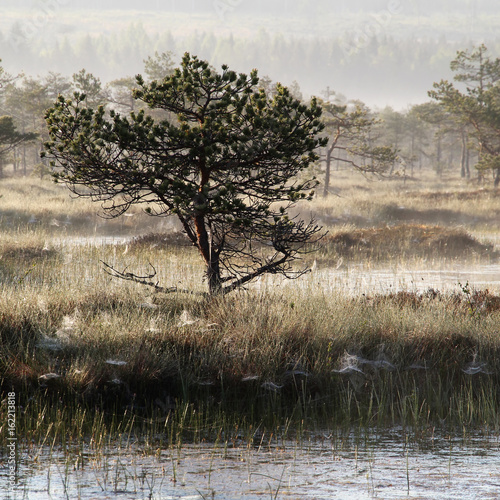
column 378, row 69
column 388, row 59
column 386, row 141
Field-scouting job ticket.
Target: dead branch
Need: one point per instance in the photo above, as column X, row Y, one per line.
column 144, row 280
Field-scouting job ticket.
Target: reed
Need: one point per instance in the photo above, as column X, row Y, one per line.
column 92, row 358
column 406, row 359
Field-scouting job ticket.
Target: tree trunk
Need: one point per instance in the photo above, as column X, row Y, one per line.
column 467, row 162
column 213, row 275
column 24, row 160
column 439, row 167
column 209, row 254
column 327, row 172
column 412, row 155
column 463, row 156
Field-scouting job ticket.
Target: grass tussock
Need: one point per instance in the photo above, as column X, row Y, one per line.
column 158, row 240
column 405, row 241
column 376, row 244
column 473, row 302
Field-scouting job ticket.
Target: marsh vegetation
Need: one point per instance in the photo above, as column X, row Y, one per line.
column 97, row 363
column 386, row 351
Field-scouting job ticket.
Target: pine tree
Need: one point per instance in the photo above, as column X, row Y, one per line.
column 226, row 165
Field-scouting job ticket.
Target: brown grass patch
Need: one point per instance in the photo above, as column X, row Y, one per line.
column 457, row 195
column 159, row 240
column 394, row 213
column 408, row 240
column 474, row 302
column 28, row 253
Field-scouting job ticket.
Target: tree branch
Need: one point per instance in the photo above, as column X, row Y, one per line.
column 143, row 280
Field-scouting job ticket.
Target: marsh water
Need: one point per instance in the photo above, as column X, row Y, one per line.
column 366, row 278
column 383, row 466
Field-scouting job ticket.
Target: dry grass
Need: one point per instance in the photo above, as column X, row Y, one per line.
column 402, row 242
column 115, row 346
column 366, row 202
column 311, row 352
column 31, row 204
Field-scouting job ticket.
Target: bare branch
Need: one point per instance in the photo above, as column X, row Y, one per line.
column 143, row 280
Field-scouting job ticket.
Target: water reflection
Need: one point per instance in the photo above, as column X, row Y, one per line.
column 384, row 467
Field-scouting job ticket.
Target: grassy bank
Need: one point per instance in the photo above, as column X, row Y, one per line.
column 91, row 357
column 257, row 359
column 427, row 199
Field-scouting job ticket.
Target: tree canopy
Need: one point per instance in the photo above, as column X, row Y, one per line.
column 10, row 137
column 226, row 161
column 478, row 105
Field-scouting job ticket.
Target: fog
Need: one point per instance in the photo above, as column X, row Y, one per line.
column 383, row 52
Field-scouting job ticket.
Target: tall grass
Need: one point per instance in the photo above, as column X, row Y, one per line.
column 264, row 357
column 94, row 358
column 427, row 200
column 31, row 204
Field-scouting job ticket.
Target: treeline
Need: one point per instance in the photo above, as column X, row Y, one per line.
column 378, row 69
column 386, row 142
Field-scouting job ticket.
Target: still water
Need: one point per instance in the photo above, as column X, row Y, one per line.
column 387, row 466
column 362, row 279
column 356, row 278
